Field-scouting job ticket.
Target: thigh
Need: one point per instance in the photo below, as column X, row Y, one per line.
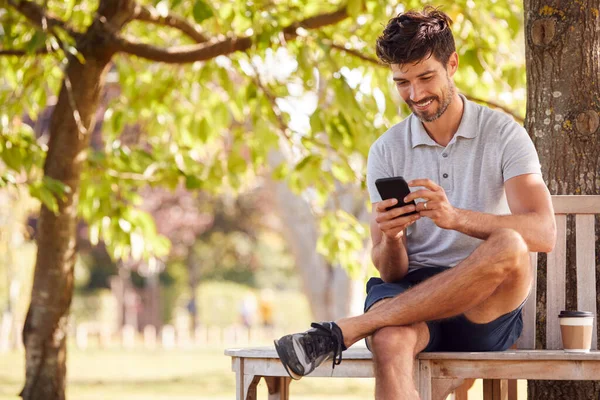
column 507, row 297
column 460, row 334
column 378, row 290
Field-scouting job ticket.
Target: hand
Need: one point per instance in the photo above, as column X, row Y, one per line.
column 392, row 223
column 436, row 205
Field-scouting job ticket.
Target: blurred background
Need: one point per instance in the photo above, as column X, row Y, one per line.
column 222, row 201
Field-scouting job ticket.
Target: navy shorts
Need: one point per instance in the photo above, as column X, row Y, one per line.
column 457, row 333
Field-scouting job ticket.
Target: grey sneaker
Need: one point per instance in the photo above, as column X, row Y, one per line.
column 301, row 353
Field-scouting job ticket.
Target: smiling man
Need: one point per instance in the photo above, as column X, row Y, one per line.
column 455, row 275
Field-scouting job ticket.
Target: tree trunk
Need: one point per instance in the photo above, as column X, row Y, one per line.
column 563, row 110
column 330, row 292
column 45, row 329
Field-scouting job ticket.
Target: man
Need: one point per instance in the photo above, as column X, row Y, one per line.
column 455, row 275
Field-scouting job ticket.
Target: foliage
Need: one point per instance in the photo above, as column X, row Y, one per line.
column 319, row 98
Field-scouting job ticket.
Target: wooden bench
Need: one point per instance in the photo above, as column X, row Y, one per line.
column 438, row 374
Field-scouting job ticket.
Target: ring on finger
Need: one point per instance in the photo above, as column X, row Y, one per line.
column 425, row 205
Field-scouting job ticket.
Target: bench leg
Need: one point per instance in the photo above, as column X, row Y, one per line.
column 441, row 388
column 462, row 392
column 279, row 387
column 512, row 389
column 424, row 381
column 495, row 389
column 249, row 385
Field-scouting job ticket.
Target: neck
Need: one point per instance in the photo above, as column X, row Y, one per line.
column 442, row 130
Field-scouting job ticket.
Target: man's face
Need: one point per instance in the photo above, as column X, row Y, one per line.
column 426, row 86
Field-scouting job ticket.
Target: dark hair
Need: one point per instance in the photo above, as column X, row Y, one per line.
column 414, row 35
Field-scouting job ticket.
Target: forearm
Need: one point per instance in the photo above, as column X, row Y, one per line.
column 537, row 230
column 390, row 259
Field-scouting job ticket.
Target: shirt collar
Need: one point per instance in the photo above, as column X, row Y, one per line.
column 419, row 135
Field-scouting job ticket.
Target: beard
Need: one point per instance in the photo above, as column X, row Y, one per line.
column 443, row 103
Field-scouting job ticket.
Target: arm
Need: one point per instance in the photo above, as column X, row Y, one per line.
column 388, row 230
column 532, row 214
column 528, row 199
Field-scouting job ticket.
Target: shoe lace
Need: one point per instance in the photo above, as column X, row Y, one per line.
column 326, row 340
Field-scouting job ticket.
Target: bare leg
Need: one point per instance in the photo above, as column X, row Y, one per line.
column 394, row 351
column 493, row 280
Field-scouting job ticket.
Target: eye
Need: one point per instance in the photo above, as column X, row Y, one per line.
column 401, row 83
column 426, row 78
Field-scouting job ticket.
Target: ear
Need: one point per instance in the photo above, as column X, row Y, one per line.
column 452, row 65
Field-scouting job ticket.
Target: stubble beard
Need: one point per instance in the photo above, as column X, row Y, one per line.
column 442, row 107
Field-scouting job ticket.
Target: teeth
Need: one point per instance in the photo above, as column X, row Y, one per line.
column 424, row 104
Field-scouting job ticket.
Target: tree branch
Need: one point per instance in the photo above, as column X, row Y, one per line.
column 356, row 53
column 39, row 16
column 374, row 61
column 21, row 53
column 492, row 104
column 210, row 50
column 151, row 15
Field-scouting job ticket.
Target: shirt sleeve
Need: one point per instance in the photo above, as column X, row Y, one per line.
column 376, row 168
column 519, row 156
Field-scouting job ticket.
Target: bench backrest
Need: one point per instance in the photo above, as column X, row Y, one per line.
column 584, row 208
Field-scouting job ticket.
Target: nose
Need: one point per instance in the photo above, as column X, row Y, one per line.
column 415, row 92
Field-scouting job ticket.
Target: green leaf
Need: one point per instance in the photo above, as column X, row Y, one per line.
column 202, row 11
column 37, row 41
column 355, row 8
column 42, row 193
column 203, row 129
column 305, row 161
column 192, row 182
column 12, row 156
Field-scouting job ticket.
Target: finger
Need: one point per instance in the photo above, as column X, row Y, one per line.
column 420, row 194
column 384, row 204
column 396, row 212
column 431, row 214
column 428, row 183
column 400, row 222
column 431, row 205
column 392, row 215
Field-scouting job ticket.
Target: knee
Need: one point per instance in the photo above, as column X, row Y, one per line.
column 512, row 250
column 391, row 342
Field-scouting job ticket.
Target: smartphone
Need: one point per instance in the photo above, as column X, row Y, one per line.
column 394, row 188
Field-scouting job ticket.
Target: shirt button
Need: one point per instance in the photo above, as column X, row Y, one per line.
column 445, row 175
column 444, row 155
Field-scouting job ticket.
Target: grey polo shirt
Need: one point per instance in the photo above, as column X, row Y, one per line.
column 488, row 149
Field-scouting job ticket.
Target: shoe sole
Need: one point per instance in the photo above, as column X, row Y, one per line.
column 284, row 360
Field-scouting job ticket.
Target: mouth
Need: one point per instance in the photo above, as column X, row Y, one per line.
column 424, row 105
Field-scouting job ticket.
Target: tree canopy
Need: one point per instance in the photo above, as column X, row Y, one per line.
column 200, row 93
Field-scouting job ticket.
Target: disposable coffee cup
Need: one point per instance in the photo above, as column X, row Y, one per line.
column 576, row 330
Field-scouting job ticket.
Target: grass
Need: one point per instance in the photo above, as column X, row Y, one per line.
column 203, row 373
column 199, row 374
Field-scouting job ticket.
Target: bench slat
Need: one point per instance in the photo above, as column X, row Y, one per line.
column 527, row 339
column 586, row 267
column 569, row 204
column 526, row 369
column 512, row 355
column 555, row 287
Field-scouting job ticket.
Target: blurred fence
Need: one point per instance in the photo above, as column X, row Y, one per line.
column 86, row 335
column 169, row 337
